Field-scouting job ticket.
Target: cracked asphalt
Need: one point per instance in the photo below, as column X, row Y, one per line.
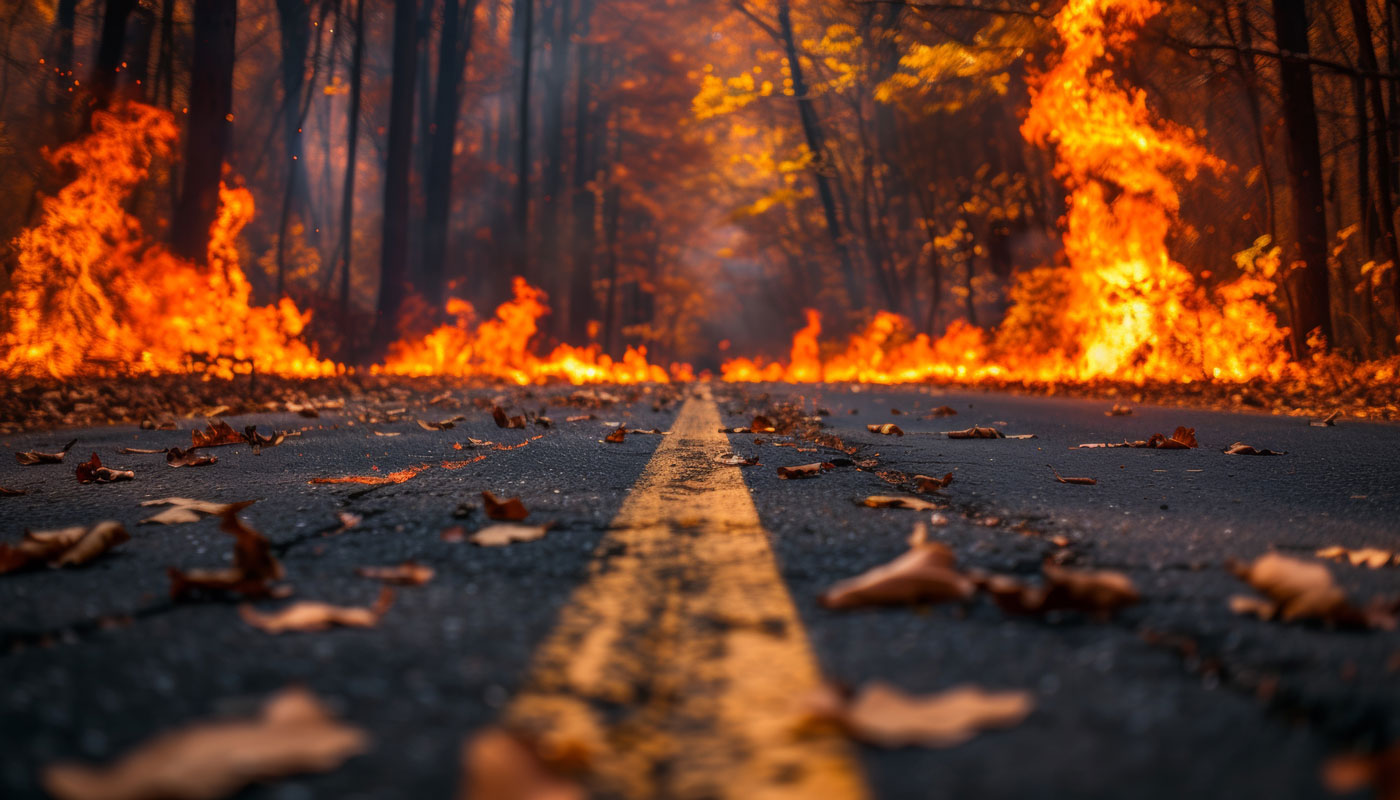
column 1175, row 696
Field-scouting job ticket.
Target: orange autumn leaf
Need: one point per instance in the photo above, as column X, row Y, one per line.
column 1099, row 592
column 899, row 501
column 885, row 716
column 504, row 533
column 926, row 573
column 1365, row 557
column 92, row 471
column 292, row 734
column 975, row 432
column 1080, row 481
column 886, row 429
column 32, row 457
column 65, row 547
column 931, row 484
column 805, row 470
column 408, row 573
column 376, row 480
column 512, row 509
column 254, row 566
column 176, row 457
column 311, row 615
column 219, row 433
column 618, row 435
column 1305, row 591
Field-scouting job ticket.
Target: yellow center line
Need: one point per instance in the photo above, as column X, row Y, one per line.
column 680, row 664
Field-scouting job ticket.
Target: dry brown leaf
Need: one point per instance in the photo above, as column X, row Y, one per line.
column 941, row 411
column 254, row 566
column 883, row 715
column 762, row 424
column 975, row 432
column 65, row 547
column 292, row 734
column 218, row 434
column 440, row 425
column 804, row 470
column 1346, row 774
column 1101, row 592
column 152, row 424
column 1248, row 605
column 1242, row 449
column 735, row 460
column 176, row 457
column 506, row 533
column 930, row 484
column 183, row 509
column 1327, row 421
column 141, row 451
column 388, row 433
column 310, row 615
column 887, row 429
column 926, row 573
column 505, row 421
column 1080, row 481
column 92, row 471
column 1182, row 439
column 258, row 441
column 406, row 574
column 512, row 509
column 32, row 457
column 618, row 435
column 1304, row 590
column 899, row 501
column 1118, row 411
column 1365, row 557
column 498, row 765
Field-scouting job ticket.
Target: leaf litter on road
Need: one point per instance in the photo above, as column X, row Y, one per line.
column 30, row 458
column 883, row 715
column 1080, row 481
column 511, row 509
column 184, row 509
column 313, row 615
column 253, row 571
column 409, row 573
column 65, row 547
column 92, row 471
column 293, row 733
column 504, row 533
column 1300, row 590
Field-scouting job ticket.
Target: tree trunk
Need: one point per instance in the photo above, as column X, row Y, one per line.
column 585, row 144
column 393, row 262
column 294, row 21
column 209, row 128
column 1384, row 188
column 811, row 129
column 347, row 189
column 454, row 47
column 522, row 155
column 61, row 93
column 110, row 45
column 552, row 173
column 1309, row 282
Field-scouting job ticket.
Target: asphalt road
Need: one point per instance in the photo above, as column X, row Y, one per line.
column 95, row 660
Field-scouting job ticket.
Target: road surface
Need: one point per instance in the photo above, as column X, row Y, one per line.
column 670, row 615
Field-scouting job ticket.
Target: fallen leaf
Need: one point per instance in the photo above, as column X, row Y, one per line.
column 406, row 574
column 388, row 433
column 292, row 734
column 176, row 457
column 926, row 573
column 183, row 509
column 310, row 615
column 506, row 533
column 1327, row 421
column 1380, row 771
column 498, row 765
column 1182, row 438
column 32, row 457
column 762, row 424
column 1081, row 481
column 735, row 460
column 941, row 411
column 504, row 421
column 1304, row 590
column 376, row 480
column 975, row 432
column 346, row 521
column 618, row 435
column 152, row 424
column 92, row 471
column 440, row 425
column 1101, row 592
column 883, row 715
column 1118, row 411
column 219, row 433
column 454, row 534
column 899, row 501
column 887, row 429
column 258, row 441
column 929, row 484
column 1248, row 605
column 1242, row 449
column 1365, row 557
column 511, row 509
column 805, row 470
column 142, row 451
column 254, row 566
column 66, row 547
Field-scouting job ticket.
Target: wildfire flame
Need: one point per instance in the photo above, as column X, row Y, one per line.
column 499, row 348
column 91, row 295
column 1123, row 309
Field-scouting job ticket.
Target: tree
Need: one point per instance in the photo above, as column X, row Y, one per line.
column 209, row 128
column 352, row 140
column 109, row 51
column 1309, row 283
column 294, row 25
column 454, row 47
column 393, row 261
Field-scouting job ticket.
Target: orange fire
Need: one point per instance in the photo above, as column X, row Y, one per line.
column 1122, row 309
column 500, row 348
column 93, row 296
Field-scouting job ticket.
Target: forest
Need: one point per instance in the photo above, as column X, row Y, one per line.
column 1139, row 190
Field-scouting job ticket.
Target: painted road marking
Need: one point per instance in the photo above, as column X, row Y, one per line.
column 680, row 662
